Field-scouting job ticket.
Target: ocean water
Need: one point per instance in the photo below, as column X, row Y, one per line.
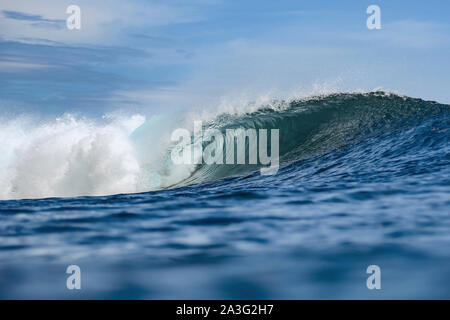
column 364, row 179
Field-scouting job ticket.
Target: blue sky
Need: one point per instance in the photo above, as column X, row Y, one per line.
column 152, row 56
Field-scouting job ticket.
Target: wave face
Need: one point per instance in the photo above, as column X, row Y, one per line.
column 319, row 125
column 363, row 179
column 78, row 157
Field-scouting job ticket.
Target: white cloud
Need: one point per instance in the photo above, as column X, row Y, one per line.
column 13, row 65
column 102, row 21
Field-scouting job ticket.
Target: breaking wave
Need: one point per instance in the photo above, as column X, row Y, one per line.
column 128, row 154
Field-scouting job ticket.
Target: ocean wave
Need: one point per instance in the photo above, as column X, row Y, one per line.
column 317, row 125
column 79, row 157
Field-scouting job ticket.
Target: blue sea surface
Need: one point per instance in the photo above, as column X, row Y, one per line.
column 364, row 180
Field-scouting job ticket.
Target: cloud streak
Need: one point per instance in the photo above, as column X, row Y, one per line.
column 16, row 15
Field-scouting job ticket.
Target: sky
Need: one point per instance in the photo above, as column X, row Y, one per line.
column 160, row 56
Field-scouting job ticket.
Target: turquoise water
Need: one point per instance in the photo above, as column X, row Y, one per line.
column 364, row 180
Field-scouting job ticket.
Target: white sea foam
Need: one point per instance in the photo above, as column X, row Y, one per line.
column 68, row 157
